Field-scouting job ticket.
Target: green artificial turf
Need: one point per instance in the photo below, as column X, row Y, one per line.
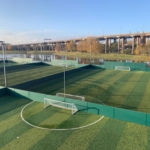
column 123, row 89
column 28, row 73
column 63, row 118
column 106, row 134
column 129, row 90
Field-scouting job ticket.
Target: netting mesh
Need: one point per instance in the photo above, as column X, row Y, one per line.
column 126, row 68
column 71, row 96
column 64, row 105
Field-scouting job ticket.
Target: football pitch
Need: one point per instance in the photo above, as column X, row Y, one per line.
column 23, row 73
column 124, row 89
column 105, row 134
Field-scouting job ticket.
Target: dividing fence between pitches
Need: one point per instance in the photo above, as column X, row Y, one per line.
column 133, row 66
column 73, row 63
column 98, row 109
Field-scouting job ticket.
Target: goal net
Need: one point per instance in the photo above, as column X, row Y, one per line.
column 125, row 68
column 65, row 65
column 59, row 104
column 71, row 96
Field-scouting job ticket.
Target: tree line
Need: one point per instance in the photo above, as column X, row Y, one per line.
column 94, row 46
column 143, row 49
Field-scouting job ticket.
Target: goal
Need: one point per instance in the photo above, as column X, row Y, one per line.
column 59, row 104
column 65, row 65
column 125, row 68
column 76, row 97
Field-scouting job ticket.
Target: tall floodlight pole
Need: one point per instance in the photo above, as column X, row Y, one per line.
column 64, row 80
column 3, row 49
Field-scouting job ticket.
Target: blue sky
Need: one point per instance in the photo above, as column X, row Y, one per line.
column 33, row 20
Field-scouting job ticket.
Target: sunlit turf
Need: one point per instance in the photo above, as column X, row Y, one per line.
column 129, row 90
column 106, row 134
column 51, row 117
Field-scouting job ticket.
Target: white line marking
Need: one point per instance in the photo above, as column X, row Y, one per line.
column 56, row 129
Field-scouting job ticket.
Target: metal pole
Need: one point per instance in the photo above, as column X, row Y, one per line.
column 64, row 81
column 4, row 64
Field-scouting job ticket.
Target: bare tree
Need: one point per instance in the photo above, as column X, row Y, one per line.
column 71, row 46
column 58, row 47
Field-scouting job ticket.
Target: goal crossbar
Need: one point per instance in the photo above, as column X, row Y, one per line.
column 71, row 96
column 60, row 104
column 125, row 68
column 65, row 65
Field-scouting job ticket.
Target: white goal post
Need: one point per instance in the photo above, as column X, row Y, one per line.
column 59, row 104
column 65, row 64
column 76, row 97
column 125, row 68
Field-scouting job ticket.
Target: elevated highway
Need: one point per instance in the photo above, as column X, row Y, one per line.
column 121, row 39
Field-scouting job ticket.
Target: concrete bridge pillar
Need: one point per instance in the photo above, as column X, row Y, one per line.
column 137, row 41
column 41, row 47
column 147, row 40
column 53, row 46
column 60, row 46
column 49, row 46
column 106, row 43
column 122, row 48
column 35, row 47
column 125, row 40
column 133, row 42
column 38, row 47
column 109, row 42
column 142, row 41
column 118, row 44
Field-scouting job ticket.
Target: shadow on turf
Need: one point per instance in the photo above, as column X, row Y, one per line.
column 28, row 85
column 86, row 109
column 23, row 67
column 10, row 103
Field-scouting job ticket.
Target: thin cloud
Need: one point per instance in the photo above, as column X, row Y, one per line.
column 28, row 36
column 39, row 31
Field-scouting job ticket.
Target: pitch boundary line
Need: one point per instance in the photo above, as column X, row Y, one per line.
column 56, row 129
